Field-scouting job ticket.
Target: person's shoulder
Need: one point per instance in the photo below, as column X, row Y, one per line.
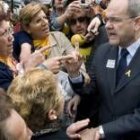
column 5, row 71
column 57, row 33
column 104, row 47
column 3, row 66
column 102, row 51
column 22, row 37
column 21, row 34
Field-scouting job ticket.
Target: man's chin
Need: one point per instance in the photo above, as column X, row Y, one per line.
column 113, row 42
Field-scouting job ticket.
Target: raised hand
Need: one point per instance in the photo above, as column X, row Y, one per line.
column 73, row 66
column 94, row 25
column 72, row 8
column 35, row 58
column 53, row 64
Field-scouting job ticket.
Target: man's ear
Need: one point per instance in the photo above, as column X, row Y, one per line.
column 137, row 23
column 52, row 115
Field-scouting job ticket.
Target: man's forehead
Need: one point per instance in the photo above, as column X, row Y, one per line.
column 117, row 8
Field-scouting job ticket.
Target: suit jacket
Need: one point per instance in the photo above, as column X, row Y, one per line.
column 119, row 106
column 6, row 76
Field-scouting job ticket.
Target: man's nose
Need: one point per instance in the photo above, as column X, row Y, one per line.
column 108, row 24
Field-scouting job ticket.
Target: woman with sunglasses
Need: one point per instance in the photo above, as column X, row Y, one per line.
column 88, row 42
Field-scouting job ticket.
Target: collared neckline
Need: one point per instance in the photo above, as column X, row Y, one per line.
column 132, row 48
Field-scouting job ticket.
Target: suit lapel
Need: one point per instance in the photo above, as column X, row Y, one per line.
column 111, row 72
column 131, row 72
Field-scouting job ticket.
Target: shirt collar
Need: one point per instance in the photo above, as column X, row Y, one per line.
column 132, row 48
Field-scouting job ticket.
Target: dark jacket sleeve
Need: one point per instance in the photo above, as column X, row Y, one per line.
column 6, row 76
column 20, row 38
column 125, row 125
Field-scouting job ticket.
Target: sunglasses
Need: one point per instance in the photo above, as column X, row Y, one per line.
column 79, row 19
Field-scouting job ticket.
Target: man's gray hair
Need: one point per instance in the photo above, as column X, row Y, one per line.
column 134, row 8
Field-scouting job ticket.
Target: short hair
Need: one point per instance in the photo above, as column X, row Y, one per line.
column 134, row 8
column 28, row 12
column 5, row 112
column 34, row 94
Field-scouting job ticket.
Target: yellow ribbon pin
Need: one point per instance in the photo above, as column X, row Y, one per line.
column 128, row 73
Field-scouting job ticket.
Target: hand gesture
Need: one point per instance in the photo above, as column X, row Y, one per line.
column 73, row 66
column 94, row 25
column 72, row 8
column 74, row 128
column 35, row 59
column 53, row 64
column 72, row 105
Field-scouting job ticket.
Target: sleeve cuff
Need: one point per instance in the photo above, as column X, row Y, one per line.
column 76, row 79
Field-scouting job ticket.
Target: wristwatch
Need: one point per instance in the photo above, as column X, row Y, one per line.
column 101, row 132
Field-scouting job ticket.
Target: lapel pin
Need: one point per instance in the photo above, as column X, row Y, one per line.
column 128, row 73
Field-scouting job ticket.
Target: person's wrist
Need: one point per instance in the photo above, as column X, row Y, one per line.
column 100, row 131
column 65, row 16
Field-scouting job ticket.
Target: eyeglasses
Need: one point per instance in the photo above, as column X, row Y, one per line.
column 6, row 32
column 115, row 20
column 79, row 19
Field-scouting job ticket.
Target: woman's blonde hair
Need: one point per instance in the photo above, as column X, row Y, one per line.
column 28, row 12
column 34, row 94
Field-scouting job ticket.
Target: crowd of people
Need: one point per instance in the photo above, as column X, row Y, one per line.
column 70, row 70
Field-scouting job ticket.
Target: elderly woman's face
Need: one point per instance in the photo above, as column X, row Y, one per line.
column 39, row 26
column 6, row 39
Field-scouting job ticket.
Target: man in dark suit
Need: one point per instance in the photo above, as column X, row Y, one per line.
column 115, row 77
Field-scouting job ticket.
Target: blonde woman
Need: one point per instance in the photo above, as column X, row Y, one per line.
column 38, row 99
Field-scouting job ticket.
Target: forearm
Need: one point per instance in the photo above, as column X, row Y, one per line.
column 61, row 19
column 58, row 22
